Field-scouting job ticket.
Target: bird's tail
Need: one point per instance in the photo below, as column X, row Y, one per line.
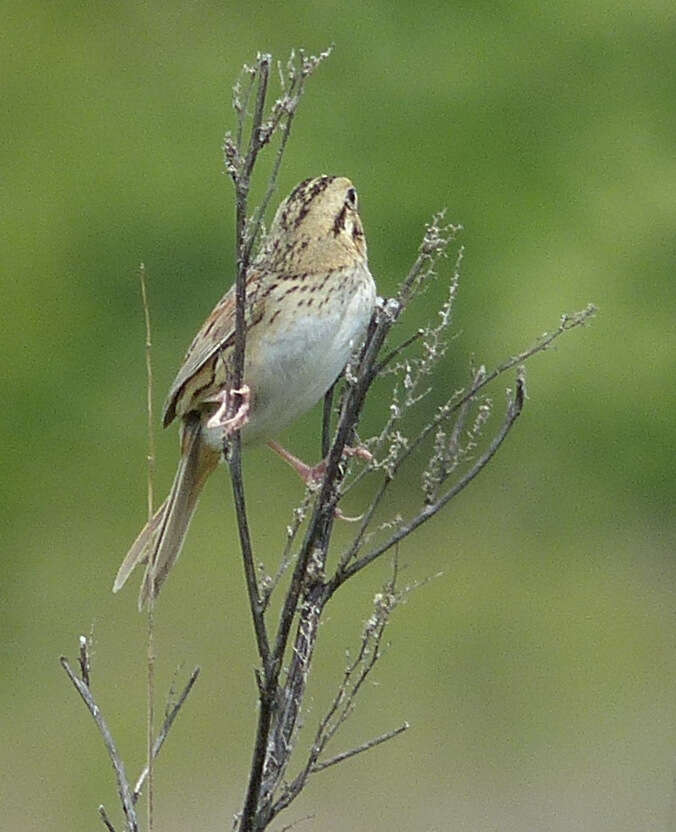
column 159, row 542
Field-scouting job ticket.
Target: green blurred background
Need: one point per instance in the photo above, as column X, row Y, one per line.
column 538, row 672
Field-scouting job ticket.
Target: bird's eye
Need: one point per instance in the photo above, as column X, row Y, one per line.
column 351, row 198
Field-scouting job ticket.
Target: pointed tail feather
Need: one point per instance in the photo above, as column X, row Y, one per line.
column 139, row 548
column 159, row 543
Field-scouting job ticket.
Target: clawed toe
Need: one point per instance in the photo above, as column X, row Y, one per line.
column 235, row 422
column 340, row 516
column 361, row 452
column 312, row 474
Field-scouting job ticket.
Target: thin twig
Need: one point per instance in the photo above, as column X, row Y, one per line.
column 243, row 109
column 123, row 789
column 313, row 551
column 568, row 323
column 293, row 823
column 149, row 389
column 271, row 661
column 85, row 666
column 514, row 410
column 242, row 185
column 365, row 746
column 354, row 677
column 327, row 409
column 286, row 106
column 150, row 612
column 382, row 364
column 169, row 718
column 256, row 601
column 458, row 401
column 106, row 820
column 438, row 236
column 299, row 515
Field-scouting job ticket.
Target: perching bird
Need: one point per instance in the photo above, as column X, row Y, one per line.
column 309, row 298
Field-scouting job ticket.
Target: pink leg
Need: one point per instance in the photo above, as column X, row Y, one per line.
column 239, row 419
column 313, row 473
column 308, row 473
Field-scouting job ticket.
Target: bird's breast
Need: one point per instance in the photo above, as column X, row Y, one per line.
column 302, row 344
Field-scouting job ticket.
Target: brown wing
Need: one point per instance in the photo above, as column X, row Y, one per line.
column 215, row 333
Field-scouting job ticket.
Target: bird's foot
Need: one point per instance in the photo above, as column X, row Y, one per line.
column 361, row 452
column 312, row 474
column 220, row 419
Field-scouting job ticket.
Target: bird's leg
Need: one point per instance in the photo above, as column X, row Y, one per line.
column 312, row 474
column 308, row 473
column 239, row 418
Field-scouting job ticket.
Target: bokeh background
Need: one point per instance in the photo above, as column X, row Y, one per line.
column 538, row 671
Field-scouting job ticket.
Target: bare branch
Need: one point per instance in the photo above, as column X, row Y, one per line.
column 282, row 114
column 123, row 789
column 514, row 408
column 281, row 689
column 567, row 324
column 294, row 823
column 326, row 420
column 239, row 106
column 365, row 746
column 402, row 450
column 438, row 236
column 309, row 569
column 257, row 602
column 106, row 820
column 322, row 518
column 170, row 715
column 232, row 447
column 299, row 516
column 85, row 666
column 354, row 676
column 382, row 364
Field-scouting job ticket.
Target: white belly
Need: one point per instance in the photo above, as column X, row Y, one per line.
column 302, row 359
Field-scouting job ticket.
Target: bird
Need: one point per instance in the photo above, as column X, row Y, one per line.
column 309, row 298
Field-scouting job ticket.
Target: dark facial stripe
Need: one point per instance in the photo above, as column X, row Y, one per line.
column 339, row 222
